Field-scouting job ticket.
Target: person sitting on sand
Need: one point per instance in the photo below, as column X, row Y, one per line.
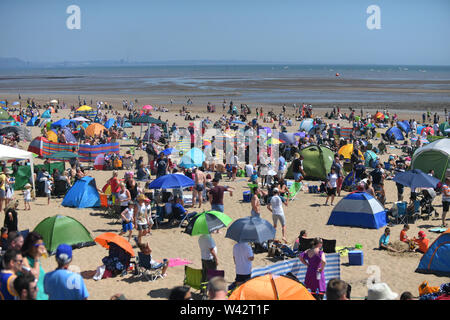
column 422, row 242
column 146, row 250
column 403, row 236
column 384, row 243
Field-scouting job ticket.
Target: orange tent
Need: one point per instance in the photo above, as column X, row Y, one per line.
column 94, row 129
column 271, row 287
column 105, row 238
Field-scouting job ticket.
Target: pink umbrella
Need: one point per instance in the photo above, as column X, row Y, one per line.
column 147, row 107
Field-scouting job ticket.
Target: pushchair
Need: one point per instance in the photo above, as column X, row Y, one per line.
column 426, row 198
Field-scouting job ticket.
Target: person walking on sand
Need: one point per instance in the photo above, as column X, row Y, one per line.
column 127, row 216
column 216, row 195
column 315, row 261
column 331, row 185
column 200, row 182
column 27, row 196
column 256, row 204
column 275, row 206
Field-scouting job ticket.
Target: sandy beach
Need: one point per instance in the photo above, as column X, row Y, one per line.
column 305, row 212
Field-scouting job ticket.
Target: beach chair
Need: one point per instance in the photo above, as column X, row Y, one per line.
column 193, row 278
column 187, row 217
column 145, row 268
column 329, row 246
column 401, row 216
column 304, row 244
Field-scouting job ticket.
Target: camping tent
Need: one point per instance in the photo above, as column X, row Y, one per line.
column 32, row 122
column 46, row 114
column 404, row 126
column 396, row 132
column 435, row 155
column 109, row 123
column 370, row 157
column 83, row 194
column 61, row 123
column 306, row 124
column 194, row 158
column 94, row 129
column 444, row 126
column 358, row 209
column 60, row 229
column 10, row 153
column 437, row 258
column 316, row 163
column 347, row 150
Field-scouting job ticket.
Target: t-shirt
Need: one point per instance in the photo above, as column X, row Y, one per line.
column 206, row 242
column 241, row 252
column 332, row 179
column 48, row 186
column 162, row 163
column 141, row 214
column 423, row 244
column 248, row 170
column 445, row 193
column 337, row 168
column 129, row 213
column 63, row 284
column 384, row 240
column 403, row 236
column 217, row 194
column 115, row 187
column 277, row 205
column 297, row 164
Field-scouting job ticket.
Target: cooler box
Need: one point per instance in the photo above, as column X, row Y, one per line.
column 247, row 196
column 355, row 258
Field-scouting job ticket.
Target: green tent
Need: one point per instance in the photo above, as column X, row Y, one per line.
column 4, row 115
column 443, row 126
column 59, row 229
column 435, row 155
column 316, row 163
column 23, row 174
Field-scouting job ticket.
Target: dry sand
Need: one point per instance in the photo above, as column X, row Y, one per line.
column 305, row 212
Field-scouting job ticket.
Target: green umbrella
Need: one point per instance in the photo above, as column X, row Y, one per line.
column 59, row 229
column 62, row 155
column 206, row 222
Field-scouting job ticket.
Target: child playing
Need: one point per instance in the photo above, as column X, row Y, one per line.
column 48, row 187
column 27, row 196
column 127, row 218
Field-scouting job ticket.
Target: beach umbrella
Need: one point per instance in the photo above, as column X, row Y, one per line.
column 251, row 229
column 147, row 107
column 416, row 178
column 52, row 136
column 271, row 287
column 171, row 181
column 237, row 122
column 207, row 222
column 60, row 229
column 169, row 151
column 81, row 119
column 106, row 238
column 274, row 141
column 84, row 108
column 94, row 129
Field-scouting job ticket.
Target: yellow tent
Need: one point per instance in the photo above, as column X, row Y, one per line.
column 51, row 136
column 347, row 151
column 94, row 129
column 84, row 108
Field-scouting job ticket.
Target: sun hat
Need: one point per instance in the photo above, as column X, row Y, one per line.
column 141, row 197
column 381, row 291
column 45, row 174
column 27, row 186
column 276, row 190
column 64, row 253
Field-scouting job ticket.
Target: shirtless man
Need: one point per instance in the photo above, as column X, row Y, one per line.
column 256, row 205
column 200, row 182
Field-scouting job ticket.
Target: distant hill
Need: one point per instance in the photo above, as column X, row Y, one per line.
column 7, row 63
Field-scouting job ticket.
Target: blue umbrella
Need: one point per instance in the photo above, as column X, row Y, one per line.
column 237, row 122
column 169, row 151
column 416, row 179
column 251, row 229
column 171, row 181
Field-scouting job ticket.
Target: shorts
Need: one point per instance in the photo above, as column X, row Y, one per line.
column 49, row 194
column 445, row 206
column 2, row 194
column 127, row 226
column 141, row 227
column 199, row 187
column 279, row 217
column 234, row 170
column 331, row 191
column 297, row 175
column 254, row 213
column 217, row 207
column 242, row 277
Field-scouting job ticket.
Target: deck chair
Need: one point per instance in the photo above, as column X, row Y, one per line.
column 304, row 244
column 146, row 269
column 329, row 246
column 193, row 278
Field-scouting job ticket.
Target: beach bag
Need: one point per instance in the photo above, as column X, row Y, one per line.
column 425, row 288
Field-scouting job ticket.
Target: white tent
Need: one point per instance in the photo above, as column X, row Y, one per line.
column 81, row 119
column 10, row 153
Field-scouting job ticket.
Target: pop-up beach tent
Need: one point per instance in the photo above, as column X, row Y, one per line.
column 437, row 258
column 435, row 155
column 194, row 158
column 396, row 132
column 316, row 163
column 10, row 153
column 306, row 124
column 358, row 209
column 83, row 194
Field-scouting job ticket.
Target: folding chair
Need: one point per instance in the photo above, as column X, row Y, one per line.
column 193, row 278
column 329, row 246
column 146, row 269
column 387, row 166
column 402, row 216
column 209, row 275
column 187, row 217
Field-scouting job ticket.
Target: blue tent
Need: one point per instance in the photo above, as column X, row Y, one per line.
column 194, row 158
column 83, row 194
column 396, row 132
column 61, row 123
column 419, row 129
column 46, row 114
column 437, row 258
column 306, row 125
column 127, row 124
column 358, row 209
column 404, row 126
column 32, row 122
column 109, row 123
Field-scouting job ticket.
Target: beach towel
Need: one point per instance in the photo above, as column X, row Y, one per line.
column 174, row 262
column 343, row 251
column 294, row 189
column 438, row 230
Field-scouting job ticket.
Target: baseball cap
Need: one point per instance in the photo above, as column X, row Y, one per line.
column 422, row 234
column 64, row 253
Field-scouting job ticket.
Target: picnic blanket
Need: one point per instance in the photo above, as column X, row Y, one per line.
column 438, row 230
column 332, row 268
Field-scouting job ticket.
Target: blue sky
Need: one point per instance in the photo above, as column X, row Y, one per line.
column 320, row 31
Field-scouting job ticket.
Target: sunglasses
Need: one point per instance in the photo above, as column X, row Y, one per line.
column 39, row 244
column 19, row 261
